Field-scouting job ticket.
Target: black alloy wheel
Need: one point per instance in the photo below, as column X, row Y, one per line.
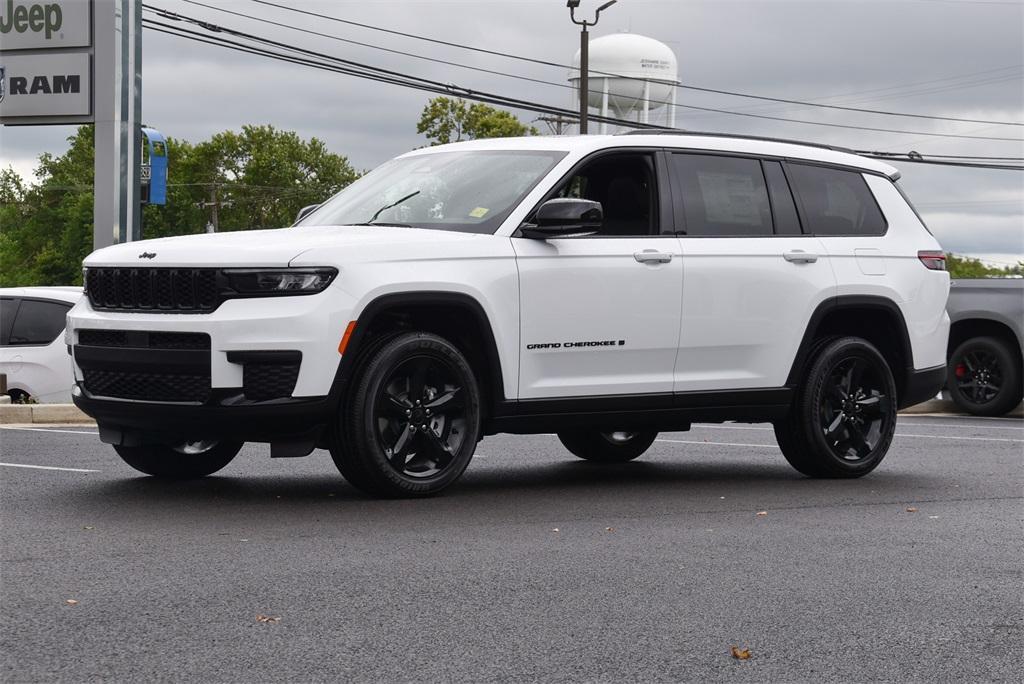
column 843, row 417
column 421, row 416
column 984, row 376
column 856, row 409
column 411, row 421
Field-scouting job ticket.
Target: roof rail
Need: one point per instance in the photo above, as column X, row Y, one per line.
column 677, row 131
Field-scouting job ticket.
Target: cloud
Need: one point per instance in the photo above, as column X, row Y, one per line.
column 949, row 59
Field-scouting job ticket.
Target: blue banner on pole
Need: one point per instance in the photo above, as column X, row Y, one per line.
column 157, row 145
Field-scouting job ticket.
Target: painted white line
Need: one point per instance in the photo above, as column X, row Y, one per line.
column 971, row 439
column 962, row 426
column 73, row 432
column 37, row 467
column 684, row 441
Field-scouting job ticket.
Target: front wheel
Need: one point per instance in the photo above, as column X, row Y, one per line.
column 412, row 420
column 185, row 461
column 607, row 447
column 844, row 416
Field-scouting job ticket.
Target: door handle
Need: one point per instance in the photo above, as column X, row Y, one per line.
column 650, row 256
column 799, row 256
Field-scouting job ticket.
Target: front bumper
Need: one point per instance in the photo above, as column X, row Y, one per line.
column 226, row 416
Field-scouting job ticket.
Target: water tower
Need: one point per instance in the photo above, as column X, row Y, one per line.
column 630, row 75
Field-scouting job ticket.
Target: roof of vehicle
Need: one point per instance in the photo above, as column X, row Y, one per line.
column 64, row 293
column 719, row 142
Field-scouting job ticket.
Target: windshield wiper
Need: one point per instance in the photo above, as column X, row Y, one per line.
column 385, row 208
column 380, row 223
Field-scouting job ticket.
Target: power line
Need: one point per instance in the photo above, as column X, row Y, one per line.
column 471, row 95
column 219, row 28
column 718, row 91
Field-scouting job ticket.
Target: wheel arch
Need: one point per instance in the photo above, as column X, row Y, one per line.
column 965, row 328
column 457, row 316
column 876, row 319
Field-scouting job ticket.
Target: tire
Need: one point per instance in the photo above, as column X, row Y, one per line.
column 607, row 447
column 187, row 461
column 411, row 420
column 984, row 376
column 844, row 415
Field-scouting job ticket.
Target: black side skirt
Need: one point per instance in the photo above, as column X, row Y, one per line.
column 662, row 412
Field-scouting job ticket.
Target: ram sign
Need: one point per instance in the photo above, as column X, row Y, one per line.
column 46, row 61
column 47, row 85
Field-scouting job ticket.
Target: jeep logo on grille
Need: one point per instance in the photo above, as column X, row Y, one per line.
column 147, row 255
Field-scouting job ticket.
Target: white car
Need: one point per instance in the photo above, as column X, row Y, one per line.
column 33, row 355
column 601, row 287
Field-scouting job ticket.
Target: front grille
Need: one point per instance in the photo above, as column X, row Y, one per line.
column 147, row 386
column 269, row 380
column 171, row 290
column 143, row 340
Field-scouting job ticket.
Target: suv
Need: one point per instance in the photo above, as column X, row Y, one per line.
column 601, row 287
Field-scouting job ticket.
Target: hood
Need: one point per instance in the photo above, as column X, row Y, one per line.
column 258, row 247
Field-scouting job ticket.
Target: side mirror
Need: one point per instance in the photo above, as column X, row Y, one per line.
column 564, row 217
column 306, row 211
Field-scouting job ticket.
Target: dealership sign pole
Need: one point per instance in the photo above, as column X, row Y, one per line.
column 75, row 62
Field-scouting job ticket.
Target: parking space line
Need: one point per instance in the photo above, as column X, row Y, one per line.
column 73, row 432
column 965, row 425
column 971, row 439
column 39, row 467
column 898, row 434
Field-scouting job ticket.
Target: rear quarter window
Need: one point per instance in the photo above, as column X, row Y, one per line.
column 38, row 322
column 836, row 202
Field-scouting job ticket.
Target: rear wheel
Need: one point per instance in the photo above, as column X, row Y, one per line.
column 844, row 416
column 412, row 420
column 607, row 447
column 983, row 378
column 185, row 461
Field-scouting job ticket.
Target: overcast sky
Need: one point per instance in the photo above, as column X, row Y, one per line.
column 958, row 58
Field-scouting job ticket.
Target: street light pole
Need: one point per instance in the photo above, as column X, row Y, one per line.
column 585, row 57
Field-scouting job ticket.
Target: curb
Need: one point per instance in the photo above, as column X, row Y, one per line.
column 65, row 414
column 61, row 414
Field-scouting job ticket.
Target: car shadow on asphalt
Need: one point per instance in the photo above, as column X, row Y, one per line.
column 585, row 484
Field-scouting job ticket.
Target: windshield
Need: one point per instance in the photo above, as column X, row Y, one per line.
column 470, row 192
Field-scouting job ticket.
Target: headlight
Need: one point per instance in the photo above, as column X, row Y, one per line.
column 278, row 282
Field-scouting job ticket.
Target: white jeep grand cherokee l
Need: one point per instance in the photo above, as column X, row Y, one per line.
column 600, row 287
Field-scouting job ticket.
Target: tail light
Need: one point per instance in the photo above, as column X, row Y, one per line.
column 934, row 260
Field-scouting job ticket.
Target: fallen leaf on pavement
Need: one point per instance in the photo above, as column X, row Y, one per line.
column 88, row 527
column 740, row 653
column 267, row 618
column 762, row 513
column 911, row 510
column 555, row 529
column 609, row 529
column 71, row 602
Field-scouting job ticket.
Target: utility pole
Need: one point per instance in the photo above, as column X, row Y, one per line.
column 214, row 205
column 585, row 57
column 557, row 124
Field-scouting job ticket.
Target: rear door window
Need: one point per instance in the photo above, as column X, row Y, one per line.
column 38, row 322
column 722, row 196
column 836, row 202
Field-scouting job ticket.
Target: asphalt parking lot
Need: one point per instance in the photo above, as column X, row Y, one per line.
column 536, row 566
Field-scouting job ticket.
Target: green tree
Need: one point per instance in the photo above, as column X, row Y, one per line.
column 960, row 266
column 446, row 120
column 257, row 178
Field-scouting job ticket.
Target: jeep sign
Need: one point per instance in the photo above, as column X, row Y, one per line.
column 45, row 85
column 28, row 25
